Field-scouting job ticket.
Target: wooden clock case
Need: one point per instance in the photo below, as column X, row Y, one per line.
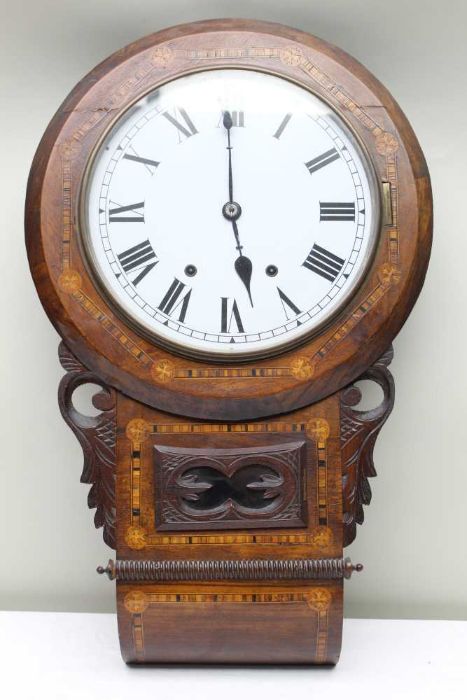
column 228, row 582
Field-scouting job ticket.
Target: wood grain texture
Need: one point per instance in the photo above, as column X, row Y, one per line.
column 235, row 621
column 140, row 429
column 105, row 342
column 230, row 623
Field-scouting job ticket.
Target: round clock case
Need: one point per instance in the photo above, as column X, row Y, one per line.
column 73, row 214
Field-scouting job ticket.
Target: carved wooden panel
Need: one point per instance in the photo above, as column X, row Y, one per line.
column 359, row 430
column 97, row 437
column 244, row 487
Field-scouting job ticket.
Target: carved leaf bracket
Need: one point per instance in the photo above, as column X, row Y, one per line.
column 97, row 436
column 359, row 430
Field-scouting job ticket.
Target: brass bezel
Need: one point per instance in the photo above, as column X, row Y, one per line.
column 376, row 189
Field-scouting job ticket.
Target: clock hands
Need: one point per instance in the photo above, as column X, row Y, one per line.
column 227, row 121
column 232, row 211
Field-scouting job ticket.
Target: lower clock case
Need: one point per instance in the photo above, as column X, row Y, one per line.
column 229, row 536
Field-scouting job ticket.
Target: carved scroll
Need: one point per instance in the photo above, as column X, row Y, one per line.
column 244, row 487
column 97, row 436
column 359, row 430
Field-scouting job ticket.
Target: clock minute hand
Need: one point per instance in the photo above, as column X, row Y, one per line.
column 227, row 121
column 232, row 211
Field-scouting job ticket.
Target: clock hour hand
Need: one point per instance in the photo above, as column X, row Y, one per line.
column 244, row 268
column 232, row 212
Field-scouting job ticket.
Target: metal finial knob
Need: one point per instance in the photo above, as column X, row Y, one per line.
column 349, row 568
column 109, row 569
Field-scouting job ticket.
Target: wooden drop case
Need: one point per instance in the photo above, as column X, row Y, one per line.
column 185, row 455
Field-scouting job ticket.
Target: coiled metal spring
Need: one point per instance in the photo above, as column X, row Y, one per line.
column 228, row 569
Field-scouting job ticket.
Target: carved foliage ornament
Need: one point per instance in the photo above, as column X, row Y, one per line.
column 97, row 437
column 359, row 430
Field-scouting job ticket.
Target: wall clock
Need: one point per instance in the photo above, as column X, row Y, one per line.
column 228, row 222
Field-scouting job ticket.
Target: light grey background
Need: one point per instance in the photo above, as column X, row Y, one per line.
column 413, row 543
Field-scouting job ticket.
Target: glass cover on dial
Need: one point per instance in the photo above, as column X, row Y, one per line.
column 230, row 213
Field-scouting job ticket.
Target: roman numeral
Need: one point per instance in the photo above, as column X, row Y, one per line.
column 228, row 318
column 282, row 126
column 322, row 160
column 288, row 304
column 175, row 299
column 150, row 164
column 188, row 128
column 137, row 259
column 238, row 118
column 324, row 263
column 133, row 213
column 336, row 211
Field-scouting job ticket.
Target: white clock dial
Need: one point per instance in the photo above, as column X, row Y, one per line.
column 230, row 213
